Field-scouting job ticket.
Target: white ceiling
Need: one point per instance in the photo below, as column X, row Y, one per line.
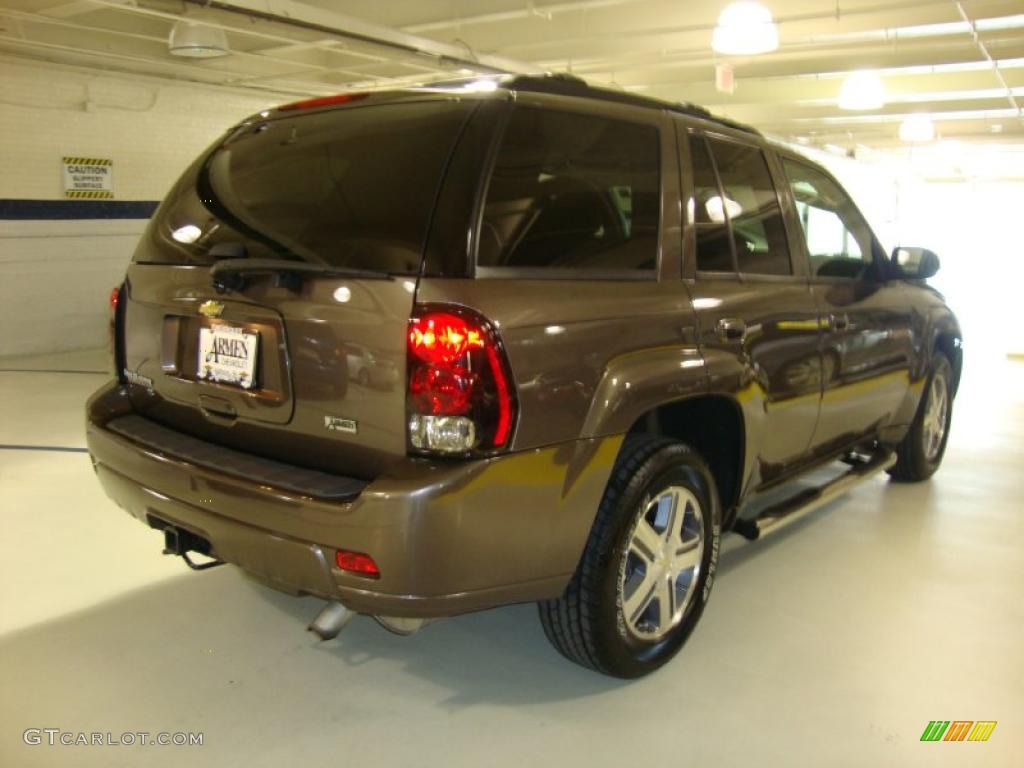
column 962, row 62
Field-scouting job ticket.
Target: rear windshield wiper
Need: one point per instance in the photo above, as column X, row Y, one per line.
column 229, row 274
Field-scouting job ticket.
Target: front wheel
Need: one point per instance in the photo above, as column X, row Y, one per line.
column 920, row 452
column 648, row 566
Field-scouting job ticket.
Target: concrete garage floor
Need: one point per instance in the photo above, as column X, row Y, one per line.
column 831, row 643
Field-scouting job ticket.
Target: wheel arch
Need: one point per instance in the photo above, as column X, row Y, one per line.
column 713, row 425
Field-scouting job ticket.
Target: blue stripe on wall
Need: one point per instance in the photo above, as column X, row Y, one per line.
column 77, row 209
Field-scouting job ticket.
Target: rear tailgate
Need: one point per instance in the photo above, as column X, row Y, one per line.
column 308, row 371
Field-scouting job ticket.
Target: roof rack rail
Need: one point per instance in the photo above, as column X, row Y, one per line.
column 564, row 84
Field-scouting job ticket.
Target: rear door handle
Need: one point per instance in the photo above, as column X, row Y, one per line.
column 731, row 329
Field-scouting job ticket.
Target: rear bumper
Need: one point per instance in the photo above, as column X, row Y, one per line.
column 448, row 537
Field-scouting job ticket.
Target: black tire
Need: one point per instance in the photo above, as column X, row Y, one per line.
column 913, row 462
column 587, row 623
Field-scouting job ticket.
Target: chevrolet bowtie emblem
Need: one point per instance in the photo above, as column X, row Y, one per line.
column 211, row 308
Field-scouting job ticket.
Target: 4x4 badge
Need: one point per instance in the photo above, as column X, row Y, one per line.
column 337, row 424
column 211, row 308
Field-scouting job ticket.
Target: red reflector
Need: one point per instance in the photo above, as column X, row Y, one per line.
column 115, row 297
column 324, row 101
column 357, row 562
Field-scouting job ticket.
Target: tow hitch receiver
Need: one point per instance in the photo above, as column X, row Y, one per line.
column 178, row 541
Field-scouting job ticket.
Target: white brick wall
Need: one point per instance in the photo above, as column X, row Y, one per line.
column 55, row 276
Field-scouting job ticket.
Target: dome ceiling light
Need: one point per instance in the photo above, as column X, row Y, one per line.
column 862, row 90
column 197, row 41
column 745, row 29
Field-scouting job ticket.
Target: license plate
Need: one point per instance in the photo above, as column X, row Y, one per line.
column 227, row 355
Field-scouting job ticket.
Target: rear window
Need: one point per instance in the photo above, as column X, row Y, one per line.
column 347, row 188
column 572, row 191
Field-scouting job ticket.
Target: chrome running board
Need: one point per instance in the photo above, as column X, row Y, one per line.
column 778, row 516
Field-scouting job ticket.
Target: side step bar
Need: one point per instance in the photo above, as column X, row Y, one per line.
column 777, row 517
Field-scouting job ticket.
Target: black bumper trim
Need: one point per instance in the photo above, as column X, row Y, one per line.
column 287, row 477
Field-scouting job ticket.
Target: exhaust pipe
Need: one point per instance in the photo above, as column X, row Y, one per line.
column 331, row 620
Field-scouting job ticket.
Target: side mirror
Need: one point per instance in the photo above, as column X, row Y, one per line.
column 915, row 263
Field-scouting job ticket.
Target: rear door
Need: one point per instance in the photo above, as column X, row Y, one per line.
column 868, row 342
column 756, row 313
column 267, row 366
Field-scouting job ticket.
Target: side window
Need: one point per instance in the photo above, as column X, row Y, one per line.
column 838, row 238
column 573, row 191
column 714, row 244
column 751, row 205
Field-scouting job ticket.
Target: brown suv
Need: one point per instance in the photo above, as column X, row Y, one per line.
column 435, row 351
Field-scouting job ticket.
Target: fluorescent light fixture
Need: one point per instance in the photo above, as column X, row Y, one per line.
column 862, row 90
column 197, row 41
column 745, row 29
column 917, row 129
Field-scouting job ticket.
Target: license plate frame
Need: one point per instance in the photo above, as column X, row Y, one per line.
column 218, row 359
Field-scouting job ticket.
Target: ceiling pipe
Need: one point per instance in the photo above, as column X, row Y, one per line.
column 988, row 57
column 664, row 30
column 361, row 80
column 103, row 59
column 232, row 78
column 532, row 10
column 347, row 27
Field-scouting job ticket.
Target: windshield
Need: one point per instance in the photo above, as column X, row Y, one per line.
column 351, row 188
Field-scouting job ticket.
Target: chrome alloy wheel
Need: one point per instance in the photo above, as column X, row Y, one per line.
column 662, row 563
column 935, row 416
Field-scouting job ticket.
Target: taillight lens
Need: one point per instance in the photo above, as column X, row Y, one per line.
column 115, row 298
column 460, row 396
column 114, row 330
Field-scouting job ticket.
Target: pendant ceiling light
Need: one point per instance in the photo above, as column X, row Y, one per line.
column 744, row 29
column 197, row 41
column 862, row 90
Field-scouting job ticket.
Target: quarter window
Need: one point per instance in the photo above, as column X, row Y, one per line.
column 572, row 191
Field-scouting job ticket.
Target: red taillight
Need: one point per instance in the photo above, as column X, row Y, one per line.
column 357, row 562
column 115, row 297
column 324, row 101
column 460, row 397
column 504, row 425
column 441, row 338
column 441, row 390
